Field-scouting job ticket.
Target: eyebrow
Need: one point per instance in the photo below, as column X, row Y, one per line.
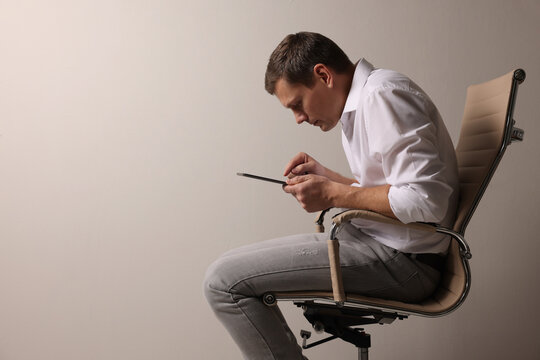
column 292, row 103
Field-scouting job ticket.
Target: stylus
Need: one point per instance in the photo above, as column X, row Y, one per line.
column 262, row 178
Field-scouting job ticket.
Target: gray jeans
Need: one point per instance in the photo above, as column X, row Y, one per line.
column 235, row 282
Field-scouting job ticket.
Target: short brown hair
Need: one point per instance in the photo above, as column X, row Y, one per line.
column 295, row 57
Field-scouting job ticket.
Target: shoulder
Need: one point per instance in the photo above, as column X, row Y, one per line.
column 388, row 83
column 393, row 102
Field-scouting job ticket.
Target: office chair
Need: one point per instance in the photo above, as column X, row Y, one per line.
column 486, row 131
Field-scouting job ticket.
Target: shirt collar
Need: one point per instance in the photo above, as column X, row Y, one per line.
column 361, row 73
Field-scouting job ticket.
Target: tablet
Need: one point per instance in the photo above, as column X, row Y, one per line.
column 262, row 178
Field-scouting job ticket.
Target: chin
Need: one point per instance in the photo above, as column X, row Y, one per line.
column 326, row 127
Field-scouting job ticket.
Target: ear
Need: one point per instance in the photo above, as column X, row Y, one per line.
column 324, row 73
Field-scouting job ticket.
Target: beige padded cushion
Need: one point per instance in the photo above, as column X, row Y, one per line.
column 481, row 137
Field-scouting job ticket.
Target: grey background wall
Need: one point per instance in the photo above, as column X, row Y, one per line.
column 123, row 123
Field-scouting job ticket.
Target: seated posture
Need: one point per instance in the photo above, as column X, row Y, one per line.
column 404, row 166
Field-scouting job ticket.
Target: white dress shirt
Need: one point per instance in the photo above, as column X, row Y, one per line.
column 393, row 134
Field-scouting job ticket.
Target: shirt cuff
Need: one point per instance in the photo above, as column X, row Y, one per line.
column 405, row 204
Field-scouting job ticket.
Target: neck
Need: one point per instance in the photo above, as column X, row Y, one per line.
column 344, row 84
column 349, row 75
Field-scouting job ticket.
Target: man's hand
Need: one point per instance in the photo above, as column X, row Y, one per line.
column 302, row 164
column 313, row 192
column 317, row 188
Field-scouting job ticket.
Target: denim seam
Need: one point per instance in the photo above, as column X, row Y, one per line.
column 285, row 271
column 275, row 272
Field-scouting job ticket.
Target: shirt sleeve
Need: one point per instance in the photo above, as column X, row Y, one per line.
column 402, row 135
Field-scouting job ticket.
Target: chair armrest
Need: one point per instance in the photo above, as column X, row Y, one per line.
column 319, row 221
column 348, row 215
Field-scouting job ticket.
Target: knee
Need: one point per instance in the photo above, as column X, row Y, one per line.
column 215, row 283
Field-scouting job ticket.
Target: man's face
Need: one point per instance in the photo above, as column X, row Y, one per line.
column 317, row 105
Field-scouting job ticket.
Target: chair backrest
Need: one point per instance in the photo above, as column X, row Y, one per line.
column 486, row 131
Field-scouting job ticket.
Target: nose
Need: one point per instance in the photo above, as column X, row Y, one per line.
column 300, row 117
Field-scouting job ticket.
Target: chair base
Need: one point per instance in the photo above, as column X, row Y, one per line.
column 361, row 337
column 340, row 323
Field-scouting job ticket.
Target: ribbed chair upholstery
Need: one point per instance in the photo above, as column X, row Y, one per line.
column 487, row 129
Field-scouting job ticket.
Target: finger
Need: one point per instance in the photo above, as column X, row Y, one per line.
column 297, row 179
column 295, row 161
column 288, row 189
column 301, row 169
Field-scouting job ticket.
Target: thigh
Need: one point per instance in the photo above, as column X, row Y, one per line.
column 300, row 263
column 297, row 262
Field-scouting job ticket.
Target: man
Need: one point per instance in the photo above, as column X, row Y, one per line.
column 403, row 164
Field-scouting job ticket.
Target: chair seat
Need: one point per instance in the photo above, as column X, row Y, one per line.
column 447, row 297
column 430, row 307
